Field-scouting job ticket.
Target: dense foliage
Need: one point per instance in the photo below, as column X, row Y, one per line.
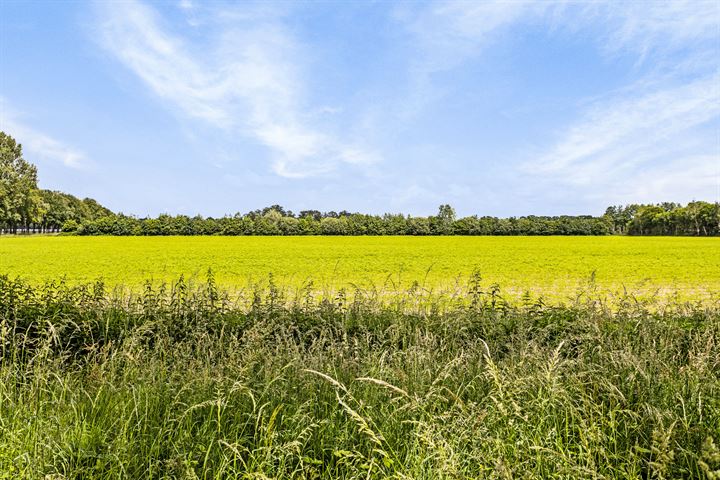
column 272, row 222
column 192, row 383
column 695, row 219
column 25, row 208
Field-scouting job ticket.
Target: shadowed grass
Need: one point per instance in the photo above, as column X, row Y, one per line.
column 189, row 382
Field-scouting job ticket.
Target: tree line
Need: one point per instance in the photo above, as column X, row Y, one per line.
column 695, row 219
column 272, row 222
column 668, row 218
column 24, row 208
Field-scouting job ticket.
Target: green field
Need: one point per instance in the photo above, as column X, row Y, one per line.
column 183, row 384
column 551, row 266
column 242, row 377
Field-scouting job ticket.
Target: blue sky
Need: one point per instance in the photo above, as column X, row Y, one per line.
column 504, row 108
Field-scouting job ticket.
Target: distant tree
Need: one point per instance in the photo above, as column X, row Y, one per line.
column 394, row 224
column 94, row 209
column 418, row 226
column 703, row 217
column 20, row 202
column 334, row 226
column 70, row 226
column 442, row 223
column 446, row 213
column 277, row 208
column 289, row 225
column 314, row 214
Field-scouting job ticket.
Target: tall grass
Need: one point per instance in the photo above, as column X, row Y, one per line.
column 189, row 382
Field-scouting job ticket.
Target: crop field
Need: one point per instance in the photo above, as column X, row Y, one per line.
column 239, row 374
column 554, row 267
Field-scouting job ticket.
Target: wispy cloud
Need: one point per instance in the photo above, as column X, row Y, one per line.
column 658, row 144
column 249, row 81
column 631, row 130
column 689, row 178
column 186, row 4
column 654, row 136
column 37, row 144
column 657, row 28
column 450, row 32
column 657, row 138
column 444, row 35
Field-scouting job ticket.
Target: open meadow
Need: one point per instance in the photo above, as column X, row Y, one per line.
column 553, row 267
column 320, row 357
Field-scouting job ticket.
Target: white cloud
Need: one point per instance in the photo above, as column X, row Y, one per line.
column 633, row 130
column 450, row 32
column 655, row 139
column 446, row 34
column 39, row 145
column 651, row 140
column 653, row 147
column 658, row 27
column 249, row 82
column 689, row 178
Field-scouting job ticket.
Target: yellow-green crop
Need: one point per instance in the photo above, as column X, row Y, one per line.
column 552, row 266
